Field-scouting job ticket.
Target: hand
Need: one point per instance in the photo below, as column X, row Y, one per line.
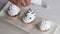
column 21, row 3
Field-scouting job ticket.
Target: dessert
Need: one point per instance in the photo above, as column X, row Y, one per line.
column 45, row 25
column 29, row 16
column 13, row 10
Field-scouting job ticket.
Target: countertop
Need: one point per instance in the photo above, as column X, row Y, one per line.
column 52, row 13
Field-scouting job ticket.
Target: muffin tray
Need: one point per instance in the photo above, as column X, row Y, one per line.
column 17, row 21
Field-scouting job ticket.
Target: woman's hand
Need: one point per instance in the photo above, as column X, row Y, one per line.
column 21, row 3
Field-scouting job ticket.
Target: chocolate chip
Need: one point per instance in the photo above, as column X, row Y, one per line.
column 26, row 15
column 32, row 12
column 28, row 11
column 30, row 17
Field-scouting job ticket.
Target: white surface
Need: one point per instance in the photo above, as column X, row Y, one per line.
column 52, row 13
column 7, row 28
column 38, row 2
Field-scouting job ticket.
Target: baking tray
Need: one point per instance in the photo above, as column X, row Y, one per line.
column 17, row 21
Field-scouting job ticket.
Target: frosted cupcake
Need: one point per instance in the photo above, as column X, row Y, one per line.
column 13, row 10
column 29, row 16
column 45, row 25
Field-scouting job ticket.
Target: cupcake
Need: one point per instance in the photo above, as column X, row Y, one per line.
column 29, row 16
column 13, row 10
column 45, row 25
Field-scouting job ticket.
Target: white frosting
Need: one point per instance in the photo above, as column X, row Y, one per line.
column 38, row 2
column 29, row 15
column 28, row 20
column 45, row 25
column 13, row 10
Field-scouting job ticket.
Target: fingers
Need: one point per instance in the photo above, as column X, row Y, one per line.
column 19, row 4
column 13, row 1
column 27, row 2
column 23, row 3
